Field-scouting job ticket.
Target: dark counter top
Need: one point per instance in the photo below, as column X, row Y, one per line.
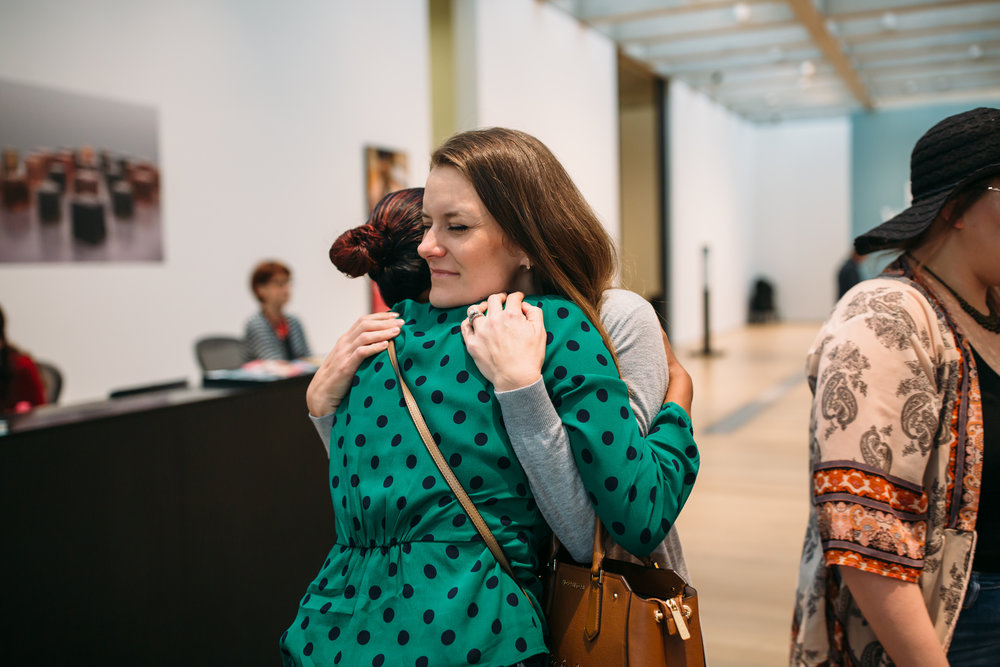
column 179, row 527
column 49, row 416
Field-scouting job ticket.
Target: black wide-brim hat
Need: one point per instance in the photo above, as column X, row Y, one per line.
column 959, row 150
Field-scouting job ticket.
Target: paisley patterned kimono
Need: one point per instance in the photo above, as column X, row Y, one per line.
column 896, row 447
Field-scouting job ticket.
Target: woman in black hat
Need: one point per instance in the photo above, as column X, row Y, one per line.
column 901, row 562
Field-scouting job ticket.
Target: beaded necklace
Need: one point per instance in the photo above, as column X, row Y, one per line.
column 989, row 322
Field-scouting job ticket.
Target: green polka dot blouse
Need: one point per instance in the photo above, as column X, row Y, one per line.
column 408, row 580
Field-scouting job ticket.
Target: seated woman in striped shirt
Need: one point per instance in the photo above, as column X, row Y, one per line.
column 272, row 333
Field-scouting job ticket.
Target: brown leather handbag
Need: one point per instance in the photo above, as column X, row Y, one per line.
column 621, row 613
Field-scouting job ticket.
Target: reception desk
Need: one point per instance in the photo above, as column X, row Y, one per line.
column 179, row 528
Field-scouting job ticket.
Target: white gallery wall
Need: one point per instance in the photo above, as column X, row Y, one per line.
column 768, row 200
column 529, row 66
column 712, row 160
column 803, row 211
column 264, row 109
column 263, row 114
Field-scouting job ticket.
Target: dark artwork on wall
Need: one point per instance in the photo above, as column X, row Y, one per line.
column 80, row 178
column 385, row 172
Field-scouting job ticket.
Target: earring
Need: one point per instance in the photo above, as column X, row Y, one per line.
column 526, row 266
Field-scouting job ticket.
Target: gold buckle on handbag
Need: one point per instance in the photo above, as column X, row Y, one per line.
column 678, row 615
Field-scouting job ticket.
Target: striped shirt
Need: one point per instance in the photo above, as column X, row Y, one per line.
column 263, row 343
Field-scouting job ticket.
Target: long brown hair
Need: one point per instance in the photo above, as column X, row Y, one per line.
column 539, row 208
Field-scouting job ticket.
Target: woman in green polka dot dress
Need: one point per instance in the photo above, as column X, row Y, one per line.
column 408, row 581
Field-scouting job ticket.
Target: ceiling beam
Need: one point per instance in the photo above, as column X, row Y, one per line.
column 952, row 74
column 941, row 96
column 950, row 68
column 815, row 23
column 777, row 82
column 878, row 12
column 723, row 31
column 657, row 10
column 889, row 35
column 734, row 53
column 728, row 66
column 870, row 58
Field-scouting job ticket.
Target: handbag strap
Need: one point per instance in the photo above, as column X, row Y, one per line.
column 449, row 475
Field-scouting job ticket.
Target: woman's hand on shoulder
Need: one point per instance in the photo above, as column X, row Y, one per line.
column 369, row 335
column 507, row 342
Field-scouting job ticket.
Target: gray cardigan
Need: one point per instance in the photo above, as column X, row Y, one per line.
column 541, row 443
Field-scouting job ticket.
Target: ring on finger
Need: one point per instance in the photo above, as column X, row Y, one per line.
column 473, row 314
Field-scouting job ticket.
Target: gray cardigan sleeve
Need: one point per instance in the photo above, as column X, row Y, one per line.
column 542, row 446
column 323, row 426
column 541, row 443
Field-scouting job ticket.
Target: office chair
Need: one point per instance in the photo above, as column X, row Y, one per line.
column 52, row 380
column 220, row 352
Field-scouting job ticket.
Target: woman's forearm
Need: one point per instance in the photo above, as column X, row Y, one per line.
column 896, row 612
column 681, row 388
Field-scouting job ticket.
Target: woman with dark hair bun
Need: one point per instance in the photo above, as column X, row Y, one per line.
column 407, row 565
column 385, row 248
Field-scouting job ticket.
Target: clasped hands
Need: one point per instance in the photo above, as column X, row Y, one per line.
column 507, row 343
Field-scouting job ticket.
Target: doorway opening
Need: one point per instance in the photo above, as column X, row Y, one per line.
column 644, row 178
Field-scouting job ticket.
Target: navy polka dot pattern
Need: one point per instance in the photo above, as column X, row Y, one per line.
column 404, row 544
column 408, row 566
column 620, row 469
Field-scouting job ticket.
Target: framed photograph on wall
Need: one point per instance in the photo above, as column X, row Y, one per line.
column 80, row 178
column 385, row 172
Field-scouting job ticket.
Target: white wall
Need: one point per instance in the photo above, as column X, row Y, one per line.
column 803, row 212
column 712, row 162
column 534, row 68
column 263, row 110
column 771, row 200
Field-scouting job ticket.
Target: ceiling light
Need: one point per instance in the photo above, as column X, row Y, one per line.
column 741, row 11
column 635, row 50
column 807, row 68
column 975, row 52
column 890, row 21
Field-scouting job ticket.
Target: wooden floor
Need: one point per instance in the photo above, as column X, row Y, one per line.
column 743, row 526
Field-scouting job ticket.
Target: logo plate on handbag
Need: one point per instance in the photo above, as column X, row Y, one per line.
column 573, row 584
